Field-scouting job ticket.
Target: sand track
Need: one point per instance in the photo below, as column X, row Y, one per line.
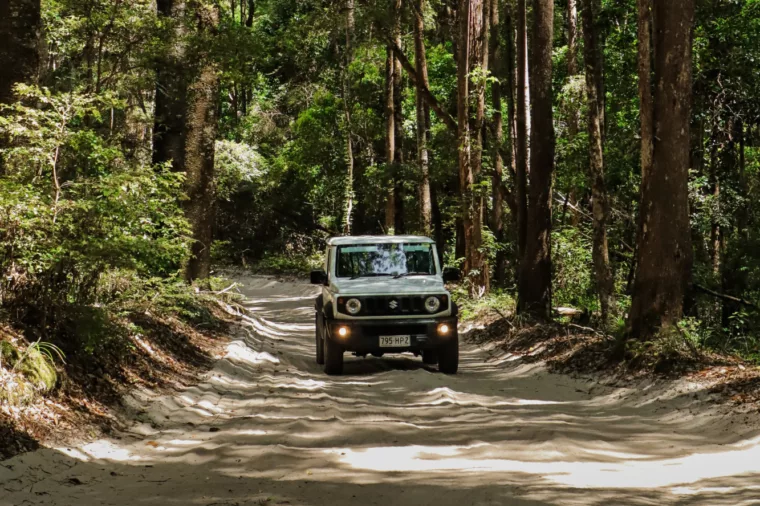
column 266, row 426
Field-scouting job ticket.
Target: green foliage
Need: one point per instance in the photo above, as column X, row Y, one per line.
column 74, row 208
column 36, row 363
column 573, row 276
column 497, row 304
column 296, row 265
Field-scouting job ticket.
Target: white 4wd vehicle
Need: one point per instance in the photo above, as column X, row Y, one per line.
column 385, row 294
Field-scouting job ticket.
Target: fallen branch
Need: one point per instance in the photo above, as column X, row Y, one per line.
column 726, row 297
column 233, row 285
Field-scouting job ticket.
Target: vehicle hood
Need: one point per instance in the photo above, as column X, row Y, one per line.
column 389, row 286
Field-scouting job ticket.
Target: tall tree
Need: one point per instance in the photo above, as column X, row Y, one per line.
column 497, row 185
column 20, row 22
column 347, row 106
column 536, row 270
column 19, row 39
column 521, row 137
column 600, row 209
column 186, row 121
column 390, row 122
column 572, row 61
column 664, row 257
column 201, row 129
column 423, row 117
column 398, row 111
column 171, row 88
column 472, row 52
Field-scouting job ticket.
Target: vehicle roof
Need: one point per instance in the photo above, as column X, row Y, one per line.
column 377, row 239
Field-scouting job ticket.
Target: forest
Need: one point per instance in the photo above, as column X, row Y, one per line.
column 601, row 155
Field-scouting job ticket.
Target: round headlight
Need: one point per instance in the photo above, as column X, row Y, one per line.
column 353, row 306
column 432, row 304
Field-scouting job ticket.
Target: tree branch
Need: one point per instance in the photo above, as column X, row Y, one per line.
column 726, row 297
column 427, row 96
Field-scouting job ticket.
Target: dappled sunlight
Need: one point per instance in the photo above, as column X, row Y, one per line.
column 633, row 472
column 240, row 352
column 268, row 423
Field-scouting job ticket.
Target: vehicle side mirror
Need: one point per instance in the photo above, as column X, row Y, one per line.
column 451, row 274
column 318, row 277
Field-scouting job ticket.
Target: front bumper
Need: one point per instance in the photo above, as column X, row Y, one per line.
column 363, row 336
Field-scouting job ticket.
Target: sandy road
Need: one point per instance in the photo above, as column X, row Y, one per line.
column 267, row 427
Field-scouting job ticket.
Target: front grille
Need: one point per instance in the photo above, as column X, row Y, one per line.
column 392, row 305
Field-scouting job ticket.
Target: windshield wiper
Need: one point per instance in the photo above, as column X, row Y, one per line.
column 405, row 274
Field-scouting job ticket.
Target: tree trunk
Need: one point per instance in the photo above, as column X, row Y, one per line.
column 390, row 143
column 521, row 139
column 470, row 157
column 715, row 235
column 423, row 118
column 200, row 139
column 171, row 90
column 20, row 25
column 646, row 107
column 497, row 185
column 510, row 82
column 347, row 105
column 536, row 272
column 600, row 206
column 572, row 62
column 440, row 239
column 664, row 253
column 463, row 122
column 186, row 124
column 251, row 11
column 398, row 88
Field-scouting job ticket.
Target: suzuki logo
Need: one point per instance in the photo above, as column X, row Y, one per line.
column 393, row 304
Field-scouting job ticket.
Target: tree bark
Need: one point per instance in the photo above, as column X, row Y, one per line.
column 423, row 118
column 572, row 61
column 664, row 254
column 433, row 102
column 646, row 107
column 390, row 142
column 463, row 121
column 398, row 89
column 200, row 139
column 20, row 25
column 536, row 271
column 171, row 90
column 470, row 157
column 600, row 205
column 186, row 123
column 497, row 185
column 347, row 106
column 521, row 139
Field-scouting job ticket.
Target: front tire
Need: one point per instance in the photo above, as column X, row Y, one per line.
column 333, row 355
column 448, row 356
column 429, row 357
column 319, row 338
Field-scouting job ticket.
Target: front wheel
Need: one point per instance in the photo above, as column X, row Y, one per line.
column 448, row 356
column 333, row 357
column 320, row 346
column 429, row 357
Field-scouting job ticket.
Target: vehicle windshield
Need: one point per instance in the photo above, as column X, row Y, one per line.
column 366, row 260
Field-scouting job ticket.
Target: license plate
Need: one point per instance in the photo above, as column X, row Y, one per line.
column 395, row 341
